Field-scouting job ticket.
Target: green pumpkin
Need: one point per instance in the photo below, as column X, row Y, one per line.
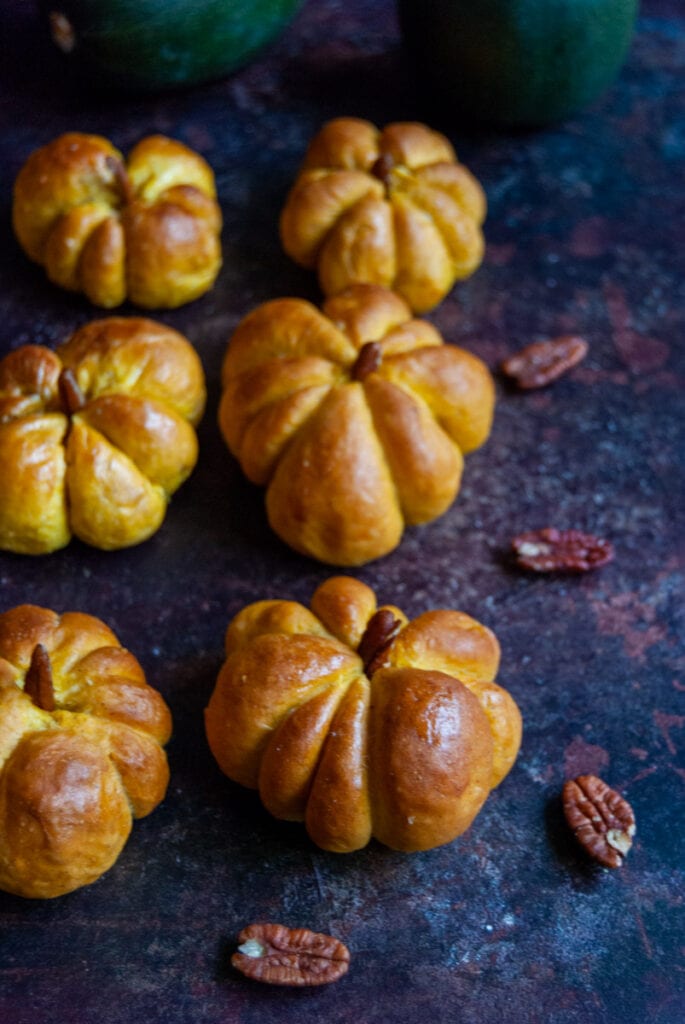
column 145, row 45
column 517, row 62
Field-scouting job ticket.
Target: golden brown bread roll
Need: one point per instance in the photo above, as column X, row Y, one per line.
column 356, row 419
column 389, row 206
column 96, row 437
column 361, row 723
column 81, row 738
column 146, row 229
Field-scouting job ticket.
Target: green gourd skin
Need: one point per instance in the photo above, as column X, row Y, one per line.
column 516, row 62
column 148, row 45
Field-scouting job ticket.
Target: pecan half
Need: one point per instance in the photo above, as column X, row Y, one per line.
column 70, row 393
column 62, row 31
column 38, row 680
column 382, row 168
column 552, row 550
column 289, row 956
column 121, row 180
column 602, row 821
column 381, row 630
column 542, row 362
column 368, row 360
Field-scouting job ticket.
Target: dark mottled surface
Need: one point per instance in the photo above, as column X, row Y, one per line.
column 509, row 922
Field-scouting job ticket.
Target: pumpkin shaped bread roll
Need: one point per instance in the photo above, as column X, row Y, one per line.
column 390, row 206
column 81, row 750
column 356, row 418
column 96, row 436
column 361, row 723
column 145, row 229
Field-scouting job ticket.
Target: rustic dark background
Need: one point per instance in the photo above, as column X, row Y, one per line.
column 509, row 922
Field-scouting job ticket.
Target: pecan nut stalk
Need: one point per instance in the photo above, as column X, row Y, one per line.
column 381, row 630
column 38, row 684
column 369, row 359
column 71, row 396
column 382, row 169
column 277, row 955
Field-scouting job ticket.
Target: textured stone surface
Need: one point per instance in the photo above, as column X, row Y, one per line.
column 509, row 922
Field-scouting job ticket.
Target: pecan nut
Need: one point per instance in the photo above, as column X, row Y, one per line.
column 552, row 550
column 38, row 683
column 542, row 362
column 70, row 393
column 369, row 359
column 278, row 955
column 602, row 821
column 381, row 630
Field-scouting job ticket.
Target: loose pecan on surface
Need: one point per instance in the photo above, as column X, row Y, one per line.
column 278, row 955
column 552, row 550
column 542, row 362
column 602, row 821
